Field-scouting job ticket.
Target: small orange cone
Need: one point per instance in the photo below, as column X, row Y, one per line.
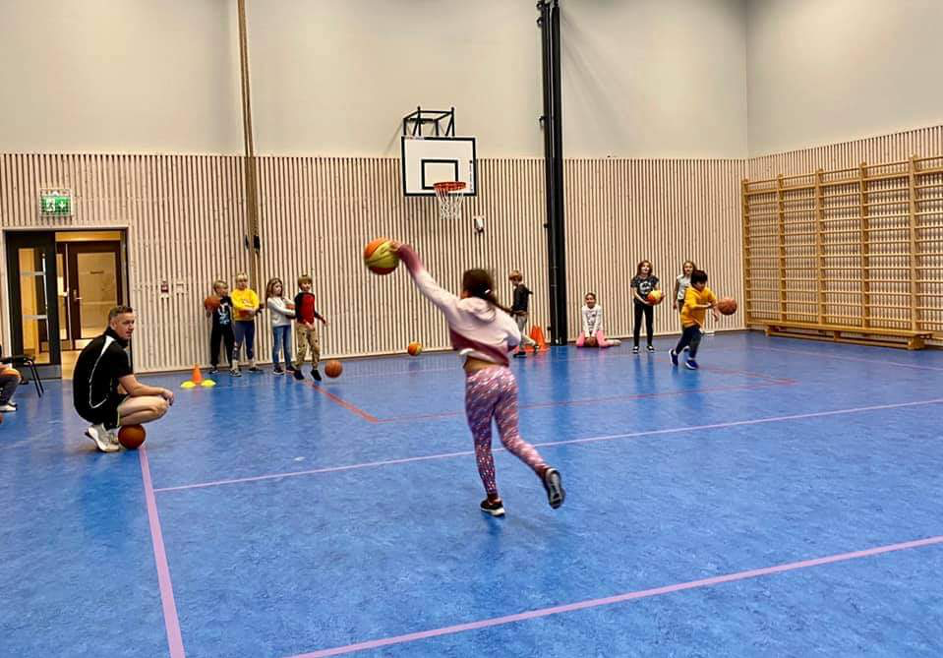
column 197, row 377
column 537, row 335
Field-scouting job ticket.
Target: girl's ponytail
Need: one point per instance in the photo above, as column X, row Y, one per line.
column 479, row 284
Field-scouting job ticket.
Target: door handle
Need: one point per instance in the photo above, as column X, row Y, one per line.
column 75, row 295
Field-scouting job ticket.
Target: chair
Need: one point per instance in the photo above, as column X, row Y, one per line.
column 20, row 361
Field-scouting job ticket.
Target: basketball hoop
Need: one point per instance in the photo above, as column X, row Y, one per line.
column 450, row 195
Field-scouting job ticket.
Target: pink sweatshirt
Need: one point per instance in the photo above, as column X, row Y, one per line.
column 476, row 328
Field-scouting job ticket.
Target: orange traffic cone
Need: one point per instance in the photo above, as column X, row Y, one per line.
column 537, row 335
column 197, row 377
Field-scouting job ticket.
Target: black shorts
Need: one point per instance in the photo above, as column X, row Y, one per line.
column 105, row 414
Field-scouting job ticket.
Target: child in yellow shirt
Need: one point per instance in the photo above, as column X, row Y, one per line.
column 245, row 306
column 697, row 299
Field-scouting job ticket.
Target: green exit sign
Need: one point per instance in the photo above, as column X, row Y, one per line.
column 56, row 203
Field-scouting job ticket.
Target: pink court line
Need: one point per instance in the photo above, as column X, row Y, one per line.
column 613, row 398
column 621, row 598
column 171, row 621
column 594, row 439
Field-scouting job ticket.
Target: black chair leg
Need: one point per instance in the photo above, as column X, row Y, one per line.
column 40, row 389
column 37, row 382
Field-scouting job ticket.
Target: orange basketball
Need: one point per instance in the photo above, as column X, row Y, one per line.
column 727, row 305
column 655, row 297
column 211, row 303
column 333, row 369
column 131, row 436
column 12, row 371
column 379, row 257
column 414, row 349
column 591, row 342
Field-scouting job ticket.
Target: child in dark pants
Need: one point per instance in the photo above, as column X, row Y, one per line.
column 697, row 299
column 222, row 325
column 643, row 283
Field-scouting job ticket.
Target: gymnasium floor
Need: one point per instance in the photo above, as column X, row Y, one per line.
column 786, row 500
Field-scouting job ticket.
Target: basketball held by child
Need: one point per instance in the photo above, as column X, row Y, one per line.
column 655, row 297
column 211, row 303
column 727, row 305
column 414, row 349
column 379, row 256
column 333, row 369
column 131, row 436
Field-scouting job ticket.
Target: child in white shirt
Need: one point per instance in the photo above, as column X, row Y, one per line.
column 592, row 334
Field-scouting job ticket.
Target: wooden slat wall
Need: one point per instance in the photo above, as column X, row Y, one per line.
column 183, row 216
column 318, row 213
column 886, row 148
column 185, row 221
column 619, row 212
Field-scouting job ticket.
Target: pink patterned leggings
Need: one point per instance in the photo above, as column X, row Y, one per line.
column 492, row 392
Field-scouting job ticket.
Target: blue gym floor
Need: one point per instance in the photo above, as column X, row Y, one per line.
column 785, row 500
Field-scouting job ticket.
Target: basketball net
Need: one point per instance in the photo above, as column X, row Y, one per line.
column 450, row 195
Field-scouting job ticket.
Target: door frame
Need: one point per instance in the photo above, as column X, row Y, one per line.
column 45, row 240
column 70, row 251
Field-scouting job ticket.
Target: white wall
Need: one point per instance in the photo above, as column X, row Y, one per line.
column 336, row 77
column 643, row 78
column 654, row 78
column 119, row 76
column 825, row 71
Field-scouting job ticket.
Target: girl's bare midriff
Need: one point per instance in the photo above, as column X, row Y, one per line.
column 474, row 365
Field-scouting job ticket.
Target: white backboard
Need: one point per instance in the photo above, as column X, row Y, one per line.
column 430, row 160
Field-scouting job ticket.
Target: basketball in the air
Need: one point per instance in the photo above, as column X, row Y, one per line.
column 727, row 305
column 211, row 303
column 333, row 369
column 655, row 297
column 131, row 436
column 414, row 349
column 379, row 256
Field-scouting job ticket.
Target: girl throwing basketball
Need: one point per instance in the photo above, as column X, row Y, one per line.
column 483, row 332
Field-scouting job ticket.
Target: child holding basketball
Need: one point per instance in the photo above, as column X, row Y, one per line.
column 306, row 332
column 642, row 284
column 483, row 332
column 519, row 310
column 245, row 304
column 697, row 299
column 682, row 282
column 592, row 334
column 221, row 331
column 281, row 323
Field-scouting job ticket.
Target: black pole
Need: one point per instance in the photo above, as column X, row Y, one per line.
column 559, row 271
column 549, row 22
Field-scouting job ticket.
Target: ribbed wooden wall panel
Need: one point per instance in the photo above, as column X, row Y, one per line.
column 318, row 213
column 184, row 219
column 619, row 212
column 885, row 148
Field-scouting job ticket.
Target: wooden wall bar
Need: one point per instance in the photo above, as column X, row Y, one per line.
column 860, row 246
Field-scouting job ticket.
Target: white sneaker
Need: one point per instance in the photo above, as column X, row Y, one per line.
column 6, row 408
column 104, row 440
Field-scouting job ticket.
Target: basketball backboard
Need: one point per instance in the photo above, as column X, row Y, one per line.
column 430, row 160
